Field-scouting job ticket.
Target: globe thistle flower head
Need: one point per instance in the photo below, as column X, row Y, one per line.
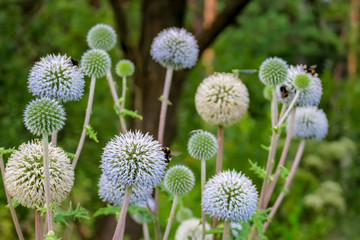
column 101, row 36
column 273, row 71
column 95, row 63
column 202, row 145
column 133, row 159
column 175, row 48
column 191, row 229
column 179, row 180
column 124, row 68
column 183, row 214
column 268, row 91
column 230, row 196
column 24, row 174
column 310, row 122
column 114, row 194
column 54, row 76
column 44, row 116
column 301, row 81
column 222, row 99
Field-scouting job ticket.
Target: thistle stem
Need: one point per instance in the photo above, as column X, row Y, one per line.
column 226, row 232
column 86, row 122
column 146, row 231
column 120, row 227
column 38, row 226
column 287, row 182
column 11, row 207
column 47, row 182
column 203, row 179
column 54, row 139
column 171, row 217
column 282, row 119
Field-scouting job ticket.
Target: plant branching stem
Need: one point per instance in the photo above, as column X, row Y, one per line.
column 146, row 231
column 171, row 218
column 47, row 182
column 38, row 226
column 203, row 179
column 282, row 119
column 54, row 139
column 120, row 227
column 226, row 232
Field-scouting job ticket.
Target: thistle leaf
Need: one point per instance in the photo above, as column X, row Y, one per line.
column 77, row 213
column 90, row 132
column 107, row 210
column 257, row 169
column 134, row 114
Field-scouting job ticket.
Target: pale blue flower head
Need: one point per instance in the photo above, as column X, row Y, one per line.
column 230, row 196
column 310, row 122
column 55, row 76
column 273, row 71
column 202, row 145
column 114, row 194
column 175, row 48
column 133, row 159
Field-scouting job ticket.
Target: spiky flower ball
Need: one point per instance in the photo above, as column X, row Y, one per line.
column 24, row 174
column 175, row 48
column 179, row 180
column 133, row 159
column 101, row 36
column 301, row 81
column 44, row 116
column 202, row 145
column 124, row 68
column 273, row 71
column 222, row 99
column 230, row 196
column 191, row 229
column 310, row 122
column 55, row 76
column 95, row 63
column 309, row 96
column 115, row 194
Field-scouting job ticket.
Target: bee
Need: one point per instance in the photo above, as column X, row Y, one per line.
column 284, row 92
column 75, row 62
column 310, row 69
column 167, row 154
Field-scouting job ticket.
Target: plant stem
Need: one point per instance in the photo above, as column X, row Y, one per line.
column 171, row 217
column 54, row 139
column 47, row 182
column 11, row 207
column 120, row 227
column 282, row 158
column 287, row 183
column 86, row 122
column 203, row 179
column 116, row 97
column 282, row 119
column 38, row 226
column 146, row 231
column 226, row 232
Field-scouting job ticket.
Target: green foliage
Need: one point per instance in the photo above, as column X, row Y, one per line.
column 4, row 151
column 143, row 212
column 284, row 172
column 76, row 214
column 91, row 133
column 261, row 172
column 109, row 209
column 134, row 114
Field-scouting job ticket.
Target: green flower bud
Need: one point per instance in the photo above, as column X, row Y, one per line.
column 124, row 68
column 179, row 180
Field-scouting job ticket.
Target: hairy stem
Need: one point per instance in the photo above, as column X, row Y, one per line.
column 86, row 122
column 171, row 217
column 282, row 119
column 146, row 231
column 47, row 182
column 226, row 232
column 120, row 227
column 38, row 226
column 54, row 139
column 203, row 179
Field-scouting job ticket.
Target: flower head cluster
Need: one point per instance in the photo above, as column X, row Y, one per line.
column 133, row 159
column 273, row 71
column 124, row 68
column 175, row 48
column 222, row 99
column 310, row 122
column 24, row 174
column 95, row 63
column 54, row 76
column 101, row 36
column 202, row 145
column 44, row 116
column 230, row 196
column 191, row 229
column 179, row 180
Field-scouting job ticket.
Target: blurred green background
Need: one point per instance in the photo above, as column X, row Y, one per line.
column 324, row 199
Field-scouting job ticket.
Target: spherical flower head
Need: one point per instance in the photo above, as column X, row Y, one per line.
column 179, row 180
column 101, row 36
column 273, row 71
column 310, row 122
column 191, row 229
column 183, row 214
column 230, row 196
column 124, row 68
column 175, row 48
column 114, row 194
column 24, row 175
column 222, row 99
column 95, row 63
column 44, row 116
column 55, row 76
column 202, row 145
column 309, row 96
column 133, row 159
column 268, row 92
column 301, row 81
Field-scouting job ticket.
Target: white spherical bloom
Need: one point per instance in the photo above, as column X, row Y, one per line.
column 24, row 175
column 230, row 196
column 55, row 76
column 175, row 48
column 307, row 97
column 202, row 145
column 310, row 122
column 222, row 99
column 115, row 194
column 191, row 229
column 133, row 159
